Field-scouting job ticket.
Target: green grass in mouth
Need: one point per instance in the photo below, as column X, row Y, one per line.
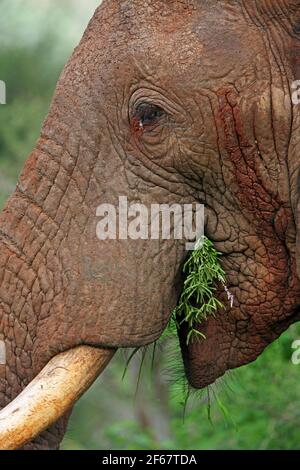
column 202, row 272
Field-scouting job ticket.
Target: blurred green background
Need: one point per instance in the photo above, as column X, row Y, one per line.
column 255, row 407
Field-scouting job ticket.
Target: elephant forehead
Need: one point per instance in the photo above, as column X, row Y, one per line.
column 183, row 44
column 153, row 31
column 171, row 44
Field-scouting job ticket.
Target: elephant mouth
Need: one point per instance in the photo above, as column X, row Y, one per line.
column 51, row 394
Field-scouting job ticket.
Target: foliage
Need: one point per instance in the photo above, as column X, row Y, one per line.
column 29, row 90
column 202, row 272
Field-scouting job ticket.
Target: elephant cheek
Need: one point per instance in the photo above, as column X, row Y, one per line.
column 298, row 237
column 298, row 253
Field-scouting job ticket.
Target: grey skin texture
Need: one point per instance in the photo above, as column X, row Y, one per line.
column 224, row 133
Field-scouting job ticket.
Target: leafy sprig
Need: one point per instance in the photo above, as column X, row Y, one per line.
column 197, row 301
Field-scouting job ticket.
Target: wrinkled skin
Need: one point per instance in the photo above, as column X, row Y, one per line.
column 226, row 136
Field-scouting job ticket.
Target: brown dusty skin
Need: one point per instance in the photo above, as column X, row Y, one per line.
column 51, row 394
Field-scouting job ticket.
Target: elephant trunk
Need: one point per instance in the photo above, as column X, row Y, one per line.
column 51, row 394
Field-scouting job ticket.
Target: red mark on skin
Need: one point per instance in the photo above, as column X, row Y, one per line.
column 252, row 192
column 264, row 210
column 136, row 131
column 137, row 127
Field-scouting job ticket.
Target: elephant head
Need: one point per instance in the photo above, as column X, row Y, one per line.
column 162, row 102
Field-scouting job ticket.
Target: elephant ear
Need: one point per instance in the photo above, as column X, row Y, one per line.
column 283, row 19
column 297, row 217
column 294, row 152
column 294, row 147
column 294, row 171
column 294, row 15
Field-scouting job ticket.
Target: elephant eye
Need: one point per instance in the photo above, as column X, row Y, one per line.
column 148, row 114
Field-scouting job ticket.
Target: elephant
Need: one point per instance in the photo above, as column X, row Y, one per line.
column 162, row 102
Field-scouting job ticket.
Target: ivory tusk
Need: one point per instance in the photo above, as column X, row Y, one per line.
column 51, row 394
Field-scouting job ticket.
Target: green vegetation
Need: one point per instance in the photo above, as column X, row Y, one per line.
column 202, row 272
column 262, row 398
